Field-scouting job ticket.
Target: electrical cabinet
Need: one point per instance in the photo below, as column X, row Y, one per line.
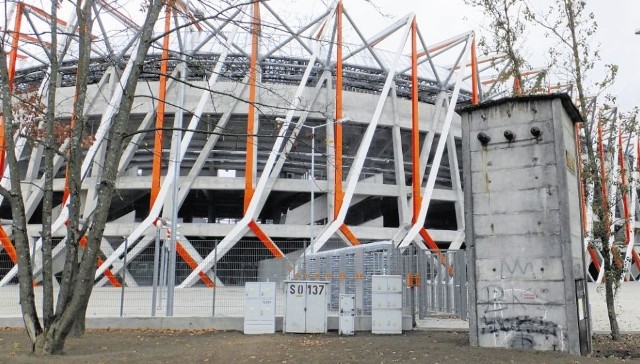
column 305, row 308
column 260, row 308
column 346, row 323
column 386, row 304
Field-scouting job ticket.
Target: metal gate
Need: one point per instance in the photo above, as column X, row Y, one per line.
column 437, row 282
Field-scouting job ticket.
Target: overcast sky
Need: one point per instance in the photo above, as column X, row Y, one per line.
column 617, row 19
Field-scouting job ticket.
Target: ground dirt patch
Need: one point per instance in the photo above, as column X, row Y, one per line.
column 230, row 347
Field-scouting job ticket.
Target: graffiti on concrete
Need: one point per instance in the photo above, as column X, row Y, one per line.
column 504, row 298
column 516, row 267
column 521, row 324
column 525, row 332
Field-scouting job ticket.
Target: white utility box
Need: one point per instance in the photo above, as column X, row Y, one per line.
column 260, row 308
column 305, row 306
column 386, row 304
column 346, row 323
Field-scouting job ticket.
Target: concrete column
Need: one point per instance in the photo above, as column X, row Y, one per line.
column 523, row 225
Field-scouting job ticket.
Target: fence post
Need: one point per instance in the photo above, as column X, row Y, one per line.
column 156, row 264
column 124, row 274
column 215, row 275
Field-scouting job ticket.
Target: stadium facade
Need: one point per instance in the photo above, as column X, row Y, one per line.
column 241, row 99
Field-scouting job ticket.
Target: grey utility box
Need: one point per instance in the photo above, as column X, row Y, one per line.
column 386, row 304
column 260, row 308
column 523, row 225
column 305, row 306
column 346, row 317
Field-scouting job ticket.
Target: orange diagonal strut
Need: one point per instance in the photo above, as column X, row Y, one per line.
column 107, row 273
column 193, row 265
column 431, row 244
column 264, row 238
column 8, row 246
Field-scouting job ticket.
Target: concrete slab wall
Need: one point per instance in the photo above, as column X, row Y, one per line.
column 523, row 225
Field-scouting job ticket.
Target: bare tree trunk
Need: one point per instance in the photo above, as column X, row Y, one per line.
column 611, row 307
column 47, row 201
column 78, row 327
column 70, row 316
column 14, row 196
column 571, row 8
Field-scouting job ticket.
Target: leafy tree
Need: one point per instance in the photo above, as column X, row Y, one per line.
column 572, row 58
column 506, row 26
column 575, row 56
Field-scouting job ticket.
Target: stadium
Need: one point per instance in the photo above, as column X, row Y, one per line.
column 260, row 137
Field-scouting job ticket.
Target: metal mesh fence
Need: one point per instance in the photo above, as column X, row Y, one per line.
column 433, row 283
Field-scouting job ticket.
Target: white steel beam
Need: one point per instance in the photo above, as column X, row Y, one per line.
column 100, row 136
column 361, row 155
column 169, row 177
column 435, row 166
column 252, row 211
column 404, row 213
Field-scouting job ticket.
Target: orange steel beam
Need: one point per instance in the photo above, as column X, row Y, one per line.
column 339, row 194
column 496, row 79
column 431, row 244
column 162, row 94
column 616, row 257
column 625, row 197
column 120, row 15
column 43, row 14
column 14, row 45
column 475, row 95
column 189, row 14
column 625, row 202
column 4, row 237
column 66, row 192
column 13, row 56
column 415, row 128
column 157, row 146
column 19, row 56
column 349, row 235
column 517, row 87
column 594, row 259
column 583, row 202
column 193, row 265
column 248, row 173
column 480, row 61
column 31, row 39
column 265, row 240
column 8, row 246
column 439, row 47
column 603, row 184
column 530, row 72
column 107, row 273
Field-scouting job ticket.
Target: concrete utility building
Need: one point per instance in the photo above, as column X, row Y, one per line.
column 289, row 135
